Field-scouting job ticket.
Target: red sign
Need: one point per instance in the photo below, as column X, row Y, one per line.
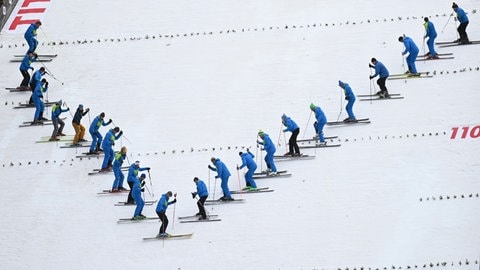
column 28, row 13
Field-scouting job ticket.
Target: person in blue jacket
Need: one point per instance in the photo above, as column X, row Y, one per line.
column 382, row 72
column 56, row 120
column 107, row 145
column 412, row 50
column 137, row 189
column 292, row 127
column 431, row 34
column 36, row 78
column 202, row 192
column 247, row 161
column 132, row 175
column 31, row 36
column 24, row 67
column 162, row 206
column 117, row 170
column 223, row 173
column 37, row 97
column 462, row 28
column 269, row 147
column 320, row 122
column 96, row 136
column 350, row 97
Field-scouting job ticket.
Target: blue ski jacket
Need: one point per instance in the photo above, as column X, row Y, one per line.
column 110, row 139
column 247, row 160
column 461, row 15
column 430, row 30
column 267, row 143
column 96, row 124
column 57, row 110
column 410, row 46
column 290, row 124
column 201, row 188
column 347, row 90
column 26, row 62
column 319, row 115
column 220, row 168
column 133, row 172
column 31, row 32
column 118, row 159
column 163, row 204
column 380, row 70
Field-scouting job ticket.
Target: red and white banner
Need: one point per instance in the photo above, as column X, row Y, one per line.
column 25, row 13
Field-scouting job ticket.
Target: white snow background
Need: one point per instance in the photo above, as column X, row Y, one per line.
column 187, row 81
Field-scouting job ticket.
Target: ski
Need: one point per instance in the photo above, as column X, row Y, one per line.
column 316, row 139
column 375, row 95
column 321, row 145
column 357, row 121
column 108, row 191
column 285, row 158
column 18, row 89
column 35, row 125
column 74, row 146
column 195, row 216
column 26, row 106
column 379, row 98
column 123, row 168
column 200, row 220
column 39, row 55
column 439, row 54
column 100, row 172
column 422, row 76
column 474, row 42
column 265, row 172
column 88, row 155
column 247, row 191
column 210, row 202
column 438, row 58
column 60, row 139
column 445, row 42
column 278, row 175
column 170, row 236
column 44, row 121
column 128, row 204
column 40, row 60
column 131, row 220
column 407, row 74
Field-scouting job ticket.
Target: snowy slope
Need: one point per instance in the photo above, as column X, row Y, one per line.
column 215, row 74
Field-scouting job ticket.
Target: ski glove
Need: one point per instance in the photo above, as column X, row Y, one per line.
column 174, row 200
column 194, row 194
column 371, row 77
column 210, row 167
column 370, row 65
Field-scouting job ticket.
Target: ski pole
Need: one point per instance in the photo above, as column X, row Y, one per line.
column 65, row 103
column 174, row 206
column 423, row 49
column 50, row 73
column 341, row 106
column 371, row 82
column 445, row 26
column 279, row 135
column 123, row 136
column 308, row 121
column 285, row 140
column 151, row 185
column 238, row 177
